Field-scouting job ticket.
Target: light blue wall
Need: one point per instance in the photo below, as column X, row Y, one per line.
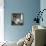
column 43, row 6
column 28, row 7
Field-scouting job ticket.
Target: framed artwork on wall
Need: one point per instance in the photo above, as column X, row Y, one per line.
column 17, row 19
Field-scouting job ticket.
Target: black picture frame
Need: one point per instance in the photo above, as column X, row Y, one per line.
column 17, row 19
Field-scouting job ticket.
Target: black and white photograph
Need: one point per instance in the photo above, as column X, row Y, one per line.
column 17, row 19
